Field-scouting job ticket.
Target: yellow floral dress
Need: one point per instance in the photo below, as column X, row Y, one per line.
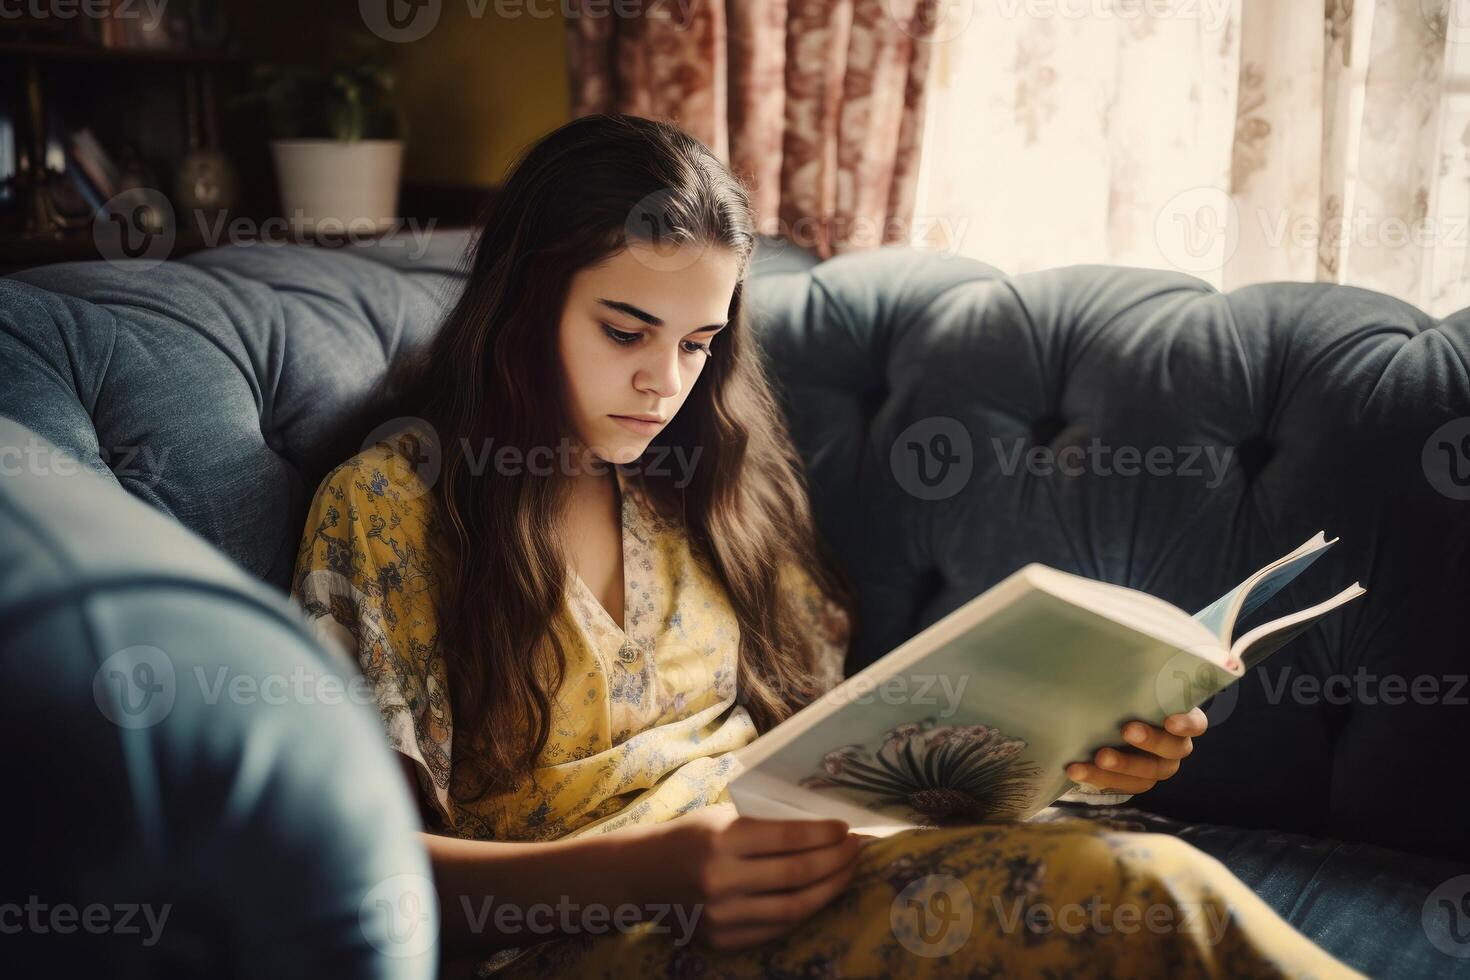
column 646, row 727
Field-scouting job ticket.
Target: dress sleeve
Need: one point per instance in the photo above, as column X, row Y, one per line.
column 365, row 580
column 824, row 621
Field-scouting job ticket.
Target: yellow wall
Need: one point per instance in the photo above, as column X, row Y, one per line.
column 477, row 90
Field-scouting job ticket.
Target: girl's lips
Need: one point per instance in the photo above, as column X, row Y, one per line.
column 637, row 425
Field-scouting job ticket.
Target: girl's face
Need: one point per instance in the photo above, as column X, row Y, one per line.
column 635, row 335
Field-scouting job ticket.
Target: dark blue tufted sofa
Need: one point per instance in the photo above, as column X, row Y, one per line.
column 1282, row 409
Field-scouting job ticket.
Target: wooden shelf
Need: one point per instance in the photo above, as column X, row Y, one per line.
column 449, row 206
column 54, row 51
column 18, row 252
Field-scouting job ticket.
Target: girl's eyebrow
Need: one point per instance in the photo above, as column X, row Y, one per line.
column 647, row 317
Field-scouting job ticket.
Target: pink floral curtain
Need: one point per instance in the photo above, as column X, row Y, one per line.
column 1240, row 141
column 817, row 104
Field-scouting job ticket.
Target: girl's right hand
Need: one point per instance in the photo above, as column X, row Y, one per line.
column 755, row 878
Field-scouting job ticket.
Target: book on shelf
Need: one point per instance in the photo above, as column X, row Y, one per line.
column 94, row 162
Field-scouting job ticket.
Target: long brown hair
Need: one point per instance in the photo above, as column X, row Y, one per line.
column 572, row 199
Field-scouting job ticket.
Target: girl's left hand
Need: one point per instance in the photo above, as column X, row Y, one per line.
column 1153, row 754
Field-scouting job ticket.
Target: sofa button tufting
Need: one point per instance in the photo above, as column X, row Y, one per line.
column 871, row 400
column 1045, row 428
column 1253, row 454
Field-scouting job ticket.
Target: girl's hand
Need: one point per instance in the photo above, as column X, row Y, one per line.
column 755, row 879
column 1152, row 755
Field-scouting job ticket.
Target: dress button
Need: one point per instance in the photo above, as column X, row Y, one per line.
column 628, row 653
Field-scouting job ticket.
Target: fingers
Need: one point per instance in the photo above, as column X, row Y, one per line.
column 1123, row 771
column 1155, row 754
column 1192, row 722
column 745, row 919
column 1158, row 742
column 781, row 872
column 1139, row 764
column 1111, row 781
column 754, row 835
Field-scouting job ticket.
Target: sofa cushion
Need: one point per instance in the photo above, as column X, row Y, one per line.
column 212, row 388
column 1386, row 913
column 183, row 758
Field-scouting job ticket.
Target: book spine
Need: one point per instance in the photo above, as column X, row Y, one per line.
column 94, row 162
column 83, row 183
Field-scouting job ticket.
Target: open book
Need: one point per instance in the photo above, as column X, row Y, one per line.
column 977, row 716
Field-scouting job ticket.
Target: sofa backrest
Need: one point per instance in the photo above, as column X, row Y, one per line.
column 210, row 387
column 1135, row 426
column 1139, row 427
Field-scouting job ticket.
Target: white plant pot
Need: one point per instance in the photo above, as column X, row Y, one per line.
column 331, row 186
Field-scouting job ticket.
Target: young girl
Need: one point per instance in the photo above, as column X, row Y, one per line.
column 582, row 572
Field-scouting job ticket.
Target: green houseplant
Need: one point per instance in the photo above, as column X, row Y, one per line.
column 337, row 136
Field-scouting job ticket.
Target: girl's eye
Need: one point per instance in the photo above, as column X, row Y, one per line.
column 624, row 338
column 619, row 336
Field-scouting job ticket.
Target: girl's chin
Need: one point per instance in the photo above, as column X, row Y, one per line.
column 622, row 451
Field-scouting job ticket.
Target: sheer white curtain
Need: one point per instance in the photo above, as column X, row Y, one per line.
column 1238, row 140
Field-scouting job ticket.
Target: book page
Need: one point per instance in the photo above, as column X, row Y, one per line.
column 1267, row 638
column 1221, row 615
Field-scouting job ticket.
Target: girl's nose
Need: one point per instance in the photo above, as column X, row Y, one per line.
column 662, row 374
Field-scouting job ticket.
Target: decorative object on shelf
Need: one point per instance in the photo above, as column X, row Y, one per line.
column 57, row 204
column 206, row 182
column 338, row 130
column 68, row 206
column 54, row 176
column 146, row 205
